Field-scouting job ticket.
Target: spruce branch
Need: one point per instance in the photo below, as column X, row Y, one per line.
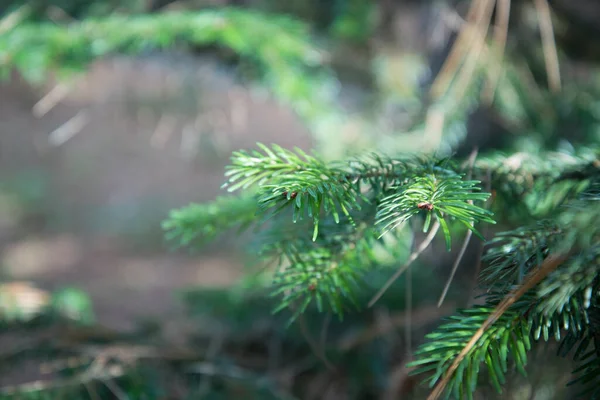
column 532, row 280
column 291, row 178
column 586, row 343
column 560, row 258
column 200, row 223
column 346, row 202
column 511, row 255
column 318, row 275
column 578, row 276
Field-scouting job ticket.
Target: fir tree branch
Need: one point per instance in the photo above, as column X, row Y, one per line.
column 204, row 222
column 549, row 265
column 512, row 254
column 354, row 195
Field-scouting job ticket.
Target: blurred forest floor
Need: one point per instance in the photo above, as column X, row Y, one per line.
column 92, row 178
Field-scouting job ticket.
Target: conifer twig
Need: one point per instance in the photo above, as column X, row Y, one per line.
column 408, row 263
column 549, row 265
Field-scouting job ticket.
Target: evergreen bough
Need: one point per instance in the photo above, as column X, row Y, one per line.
column 322, row 221
column 322, row 228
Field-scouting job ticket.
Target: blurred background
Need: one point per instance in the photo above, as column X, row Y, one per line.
column 98, row 145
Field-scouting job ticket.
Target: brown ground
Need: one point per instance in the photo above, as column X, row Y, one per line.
column 105, row 190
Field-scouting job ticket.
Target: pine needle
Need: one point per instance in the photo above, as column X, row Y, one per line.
column 551, row 264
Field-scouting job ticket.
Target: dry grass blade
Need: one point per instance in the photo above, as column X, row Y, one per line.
column 548, row 44
column 460, row 49
column 479, row 33
column 69, row 129
column 414, row 255
column 533, row 279
column 115, row 389
column 14, row 18
column 50, row 100
column 399, row 379
column 500, row 37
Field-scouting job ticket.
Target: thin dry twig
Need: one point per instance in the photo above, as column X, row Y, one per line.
column 14, row 18
column 419, row 317
column 233, row 372
column 408, row 327
column 479, row 33
column 325, row 330
column 214, row 346
column 463, row 249
column 91, row 391
column 88, row 376
column 500, row 37
column 398, row 379
column 533, row 279
column 434, row 127
column 548, row 44
column 414, row 255
column 457, row 53
column 50, row 100
column 69, row 129
column 469, row 46
column 319, row 352
column 163, row 131
column 115, row 389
